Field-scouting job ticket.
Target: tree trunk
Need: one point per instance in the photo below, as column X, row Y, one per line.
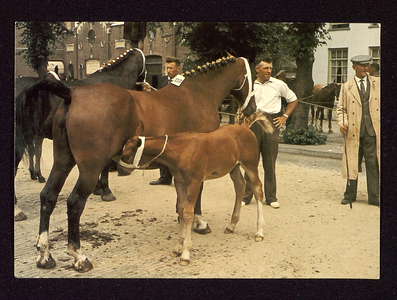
column 41, row 68
column 303, row 89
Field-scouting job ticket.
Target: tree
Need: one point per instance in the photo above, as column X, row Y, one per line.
column 40, row 38
column 304, row 39
column 297, row 41
column 210, row 41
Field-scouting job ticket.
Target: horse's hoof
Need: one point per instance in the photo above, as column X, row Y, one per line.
column 258, row 238
column 41, row 179
column 98, row 192
column 202, row 231
column 228, row 231
column 330, row 131
column 84, row 266
column 184, row 262
column 20, row 217
column 48, row 264
column 108, row 197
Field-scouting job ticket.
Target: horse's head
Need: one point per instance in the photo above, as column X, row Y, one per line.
column 131, row 155
column 243, row 90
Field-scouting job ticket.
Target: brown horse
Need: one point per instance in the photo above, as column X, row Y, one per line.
column 324, row 95
column 195, row 157
column 91, row 137
column 35, row 109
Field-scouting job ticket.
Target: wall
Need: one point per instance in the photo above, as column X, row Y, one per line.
column 357, row 39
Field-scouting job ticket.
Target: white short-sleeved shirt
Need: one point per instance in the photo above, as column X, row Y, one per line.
column 268, row 95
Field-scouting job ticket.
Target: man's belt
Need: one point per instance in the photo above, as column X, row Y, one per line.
column 279, row 114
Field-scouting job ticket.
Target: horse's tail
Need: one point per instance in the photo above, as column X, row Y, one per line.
column 33, row 107
column 262, row 120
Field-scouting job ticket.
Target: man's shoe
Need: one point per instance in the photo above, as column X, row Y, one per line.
column 346, row 201
column 160, row 182
column 274, row 204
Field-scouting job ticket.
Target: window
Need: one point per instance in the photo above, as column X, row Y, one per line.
column 69, row 47
column 119, row 43
column 337, row 65
column 92, row 66
column 91, row 37
column 375, row 53
column 339, row 26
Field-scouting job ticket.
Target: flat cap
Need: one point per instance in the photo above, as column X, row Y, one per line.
column 361, row 59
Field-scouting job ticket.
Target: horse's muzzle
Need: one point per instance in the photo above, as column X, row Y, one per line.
column 123, row 171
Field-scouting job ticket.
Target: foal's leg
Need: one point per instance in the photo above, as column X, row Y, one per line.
column 63, row 164
column 256, row 186
column 186, row 215
column 38, row 146
column 180, row 205
column 239, row 186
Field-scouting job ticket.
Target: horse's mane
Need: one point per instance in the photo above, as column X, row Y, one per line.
column 114, row 62
column 204, row 68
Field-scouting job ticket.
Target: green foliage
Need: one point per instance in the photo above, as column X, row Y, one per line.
column 40, row 38
column 211, row 40
column 302, row 136
column 306, row 37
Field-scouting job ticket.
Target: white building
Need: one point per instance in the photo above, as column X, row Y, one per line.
column 332, row 61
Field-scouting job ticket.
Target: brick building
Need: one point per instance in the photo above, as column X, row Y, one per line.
column 95, row 43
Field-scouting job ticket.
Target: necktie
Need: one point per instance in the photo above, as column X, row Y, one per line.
column 362, row 88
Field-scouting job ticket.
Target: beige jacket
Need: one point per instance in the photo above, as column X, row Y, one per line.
column 349, row 111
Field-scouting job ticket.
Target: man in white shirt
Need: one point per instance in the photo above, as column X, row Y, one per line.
column 268, row 93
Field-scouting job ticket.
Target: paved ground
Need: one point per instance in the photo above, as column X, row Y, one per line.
column 133, row 239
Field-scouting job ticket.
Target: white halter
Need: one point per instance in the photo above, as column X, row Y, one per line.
column 138, row 155
column 248, row 77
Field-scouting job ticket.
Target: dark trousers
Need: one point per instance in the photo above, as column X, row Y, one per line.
column 268, row 148
column 165, row 174
column 367, row 150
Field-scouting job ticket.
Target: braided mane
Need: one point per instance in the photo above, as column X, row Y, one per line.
column 114, row 62
column 204, row 68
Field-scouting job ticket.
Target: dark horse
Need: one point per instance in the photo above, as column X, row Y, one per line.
column 35, row 108
column 33, row 149
column 34, row 145
column 91, row 137
column 324, row 95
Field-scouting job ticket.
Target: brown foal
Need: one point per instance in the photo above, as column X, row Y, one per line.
column 193, row 158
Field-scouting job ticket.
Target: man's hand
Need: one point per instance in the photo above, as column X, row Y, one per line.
column 343, row 129
column 279, row 121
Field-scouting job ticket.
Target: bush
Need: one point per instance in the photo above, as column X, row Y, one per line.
column 302, row 136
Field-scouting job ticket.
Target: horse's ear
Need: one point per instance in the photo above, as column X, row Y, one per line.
column 229, row 55
column 140, row 129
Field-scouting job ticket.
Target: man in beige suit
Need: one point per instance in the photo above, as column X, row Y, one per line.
column 358, row 115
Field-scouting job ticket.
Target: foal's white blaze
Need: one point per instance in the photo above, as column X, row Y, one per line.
column 43, row 246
